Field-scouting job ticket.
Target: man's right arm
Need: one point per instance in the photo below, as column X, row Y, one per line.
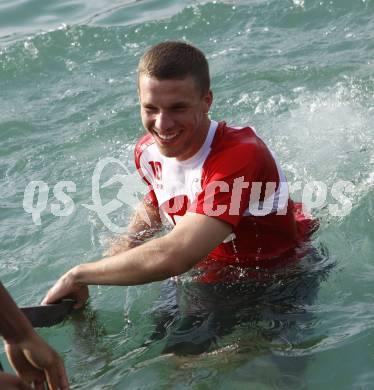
column 144, row 224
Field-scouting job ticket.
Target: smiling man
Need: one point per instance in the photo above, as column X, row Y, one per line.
column 219, row 186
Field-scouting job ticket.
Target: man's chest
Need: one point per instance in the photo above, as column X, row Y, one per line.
column 176, row 186
column 170, row 180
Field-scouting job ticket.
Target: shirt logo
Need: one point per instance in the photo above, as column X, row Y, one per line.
column 176, row 207
column 157, row 172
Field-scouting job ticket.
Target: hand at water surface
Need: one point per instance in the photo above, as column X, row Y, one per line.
column 67, row 287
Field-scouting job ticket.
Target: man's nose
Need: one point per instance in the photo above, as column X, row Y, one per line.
column 164, row 121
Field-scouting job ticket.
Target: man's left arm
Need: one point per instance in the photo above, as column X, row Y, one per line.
column 194, row 237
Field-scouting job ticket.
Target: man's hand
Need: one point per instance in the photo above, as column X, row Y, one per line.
column 32, row 358
column 12, row 382
column 36, row 363
column 67, row 287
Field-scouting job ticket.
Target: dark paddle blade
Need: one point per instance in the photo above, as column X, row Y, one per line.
column 48, row 315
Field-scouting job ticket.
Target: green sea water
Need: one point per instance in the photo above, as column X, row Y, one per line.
column 301, row 72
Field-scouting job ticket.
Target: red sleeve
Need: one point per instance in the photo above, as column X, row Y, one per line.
column 150, row 197
column 229, row 177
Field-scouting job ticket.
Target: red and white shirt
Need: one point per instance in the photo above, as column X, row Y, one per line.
column 233, row 177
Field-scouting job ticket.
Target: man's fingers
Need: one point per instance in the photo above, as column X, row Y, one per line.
column 81, row 296
column 46, row 300
column 38, row 385
column 8, row 381
column 21, row 364
column 63, row 288
column 78, row 305
column 51, row 296
column 55, row 294
column 56, row 377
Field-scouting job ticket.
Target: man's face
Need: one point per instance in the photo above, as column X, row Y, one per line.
column 175, row 113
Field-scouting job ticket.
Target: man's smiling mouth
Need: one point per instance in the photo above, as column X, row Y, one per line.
column 167, row 137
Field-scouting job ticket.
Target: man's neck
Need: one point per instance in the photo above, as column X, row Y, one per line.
column 204, row 133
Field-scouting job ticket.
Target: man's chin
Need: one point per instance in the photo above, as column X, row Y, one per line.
column 166, row 152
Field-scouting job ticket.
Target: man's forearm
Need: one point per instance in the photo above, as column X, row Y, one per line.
column 14, row 326
column 150, row 262
column 173, row 254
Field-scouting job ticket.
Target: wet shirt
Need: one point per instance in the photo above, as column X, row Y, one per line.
column 233, row 177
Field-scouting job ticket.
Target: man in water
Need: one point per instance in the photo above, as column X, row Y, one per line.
column 219, row 186
column 33, row 359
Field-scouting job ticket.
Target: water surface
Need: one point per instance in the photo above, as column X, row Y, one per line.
column 300, row 72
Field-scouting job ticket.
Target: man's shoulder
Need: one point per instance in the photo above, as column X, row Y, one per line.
column 144, row 143
column 234, row 142
column 237, row 149
column 234, row 138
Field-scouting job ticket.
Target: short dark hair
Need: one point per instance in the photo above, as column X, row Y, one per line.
column 176, row 60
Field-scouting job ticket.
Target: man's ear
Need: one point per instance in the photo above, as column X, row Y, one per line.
column 208, row 100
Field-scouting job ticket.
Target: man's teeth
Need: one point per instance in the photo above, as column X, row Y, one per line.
column 168, row 136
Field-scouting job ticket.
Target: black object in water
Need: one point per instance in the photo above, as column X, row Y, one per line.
column 48, row 315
